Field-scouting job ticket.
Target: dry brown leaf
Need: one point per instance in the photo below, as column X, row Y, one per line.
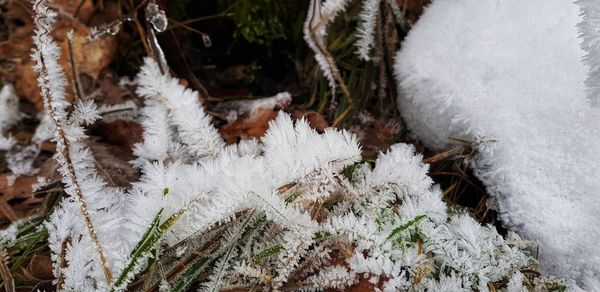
column 315, row 120
column 120, row 133
column 49, row 169
column 112, row 92
column 376, row 134
column 86, row 11
column 16, row 198
column 253, row 126
column 20, row 187
column 40, row 267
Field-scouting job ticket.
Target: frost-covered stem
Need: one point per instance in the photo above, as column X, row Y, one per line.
column 51, row 82
column 314, row 31
column 366, row 28
column 62, row 145
column 334, row 69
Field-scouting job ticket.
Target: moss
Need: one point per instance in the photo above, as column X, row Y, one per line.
column 261, row 21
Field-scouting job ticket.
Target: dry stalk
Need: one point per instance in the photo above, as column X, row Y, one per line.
column 441, row 156
column 63, row 148
column 7, row 278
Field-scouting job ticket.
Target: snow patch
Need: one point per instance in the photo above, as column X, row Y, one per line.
column 512, row 71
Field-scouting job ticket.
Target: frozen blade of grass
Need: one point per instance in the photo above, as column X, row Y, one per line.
column 146, row 243
column 270, row 252
column 404, row 227
column 191, row 274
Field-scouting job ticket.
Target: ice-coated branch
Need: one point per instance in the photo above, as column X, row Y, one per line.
column 51, row 81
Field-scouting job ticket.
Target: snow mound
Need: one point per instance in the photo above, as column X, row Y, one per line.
column 512, row 71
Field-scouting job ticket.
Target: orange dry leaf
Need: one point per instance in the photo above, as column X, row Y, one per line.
column 315, row 120
column 253, row 126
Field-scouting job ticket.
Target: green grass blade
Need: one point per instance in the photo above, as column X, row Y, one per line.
column 191, row 274
column 146, row 243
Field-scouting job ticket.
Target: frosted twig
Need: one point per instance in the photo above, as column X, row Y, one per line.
column 51, row 82
column 318, row 17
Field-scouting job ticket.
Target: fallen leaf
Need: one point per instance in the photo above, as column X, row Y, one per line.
column 49, row 169
column 40, row 266
column 315, row 120
column 16, row 199
column 376, row 134
column 253, row 126
column 112, row 92
column 120, row 133
column 15, row 187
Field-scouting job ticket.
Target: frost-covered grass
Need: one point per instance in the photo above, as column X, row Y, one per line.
column 294, row 210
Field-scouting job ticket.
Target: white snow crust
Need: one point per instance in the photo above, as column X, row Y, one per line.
column 511, row 71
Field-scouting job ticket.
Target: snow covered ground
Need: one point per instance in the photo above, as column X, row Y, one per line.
column 512, row 71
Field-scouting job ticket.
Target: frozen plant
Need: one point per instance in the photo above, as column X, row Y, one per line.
column 321, row 14
column 295, row 210
column 89, row 198
column 489, row 70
